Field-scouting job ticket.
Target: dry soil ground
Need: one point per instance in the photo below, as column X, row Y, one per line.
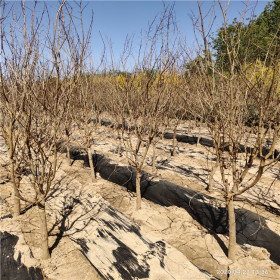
column 189, row 168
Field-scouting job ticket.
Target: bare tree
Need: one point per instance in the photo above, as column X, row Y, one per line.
column 239, row 133
column 146, row 95
column 20, row 58
column 179, row 106
column 76, row 48
column 89, row 110
column 36, row 89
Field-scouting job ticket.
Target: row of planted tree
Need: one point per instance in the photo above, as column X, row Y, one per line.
column 48, row 86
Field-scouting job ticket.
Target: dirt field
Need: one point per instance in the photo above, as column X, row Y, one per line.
column 189, row 168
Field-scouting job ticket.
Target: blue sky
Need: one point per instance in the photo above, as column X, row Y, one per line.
column 117, row 19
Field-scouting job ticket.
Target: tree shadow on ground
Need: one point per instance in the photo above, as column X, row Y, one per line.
column 71, row 212
column 190, row 172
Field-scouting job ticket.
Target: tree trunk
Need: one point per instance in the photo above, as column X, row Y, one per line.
column 16, row 205
column 119, row 148
column 138, row 190
column 162, row 135
column 45, row 254
column 93, row 177
column 174, row 142
column 232, row 230
column 119, row 143
column 68, row 150
column 154, row 169
column 211, row 176
column 198, row 138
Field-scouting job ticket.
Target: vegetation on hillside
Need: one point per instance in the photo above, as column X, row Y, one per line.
column 250, row 42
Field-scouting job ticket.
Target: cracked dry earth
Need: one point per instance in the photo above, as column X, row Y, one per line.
column 89, row 238
column 177, row 227
column 190, row 168
column 172, row 224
